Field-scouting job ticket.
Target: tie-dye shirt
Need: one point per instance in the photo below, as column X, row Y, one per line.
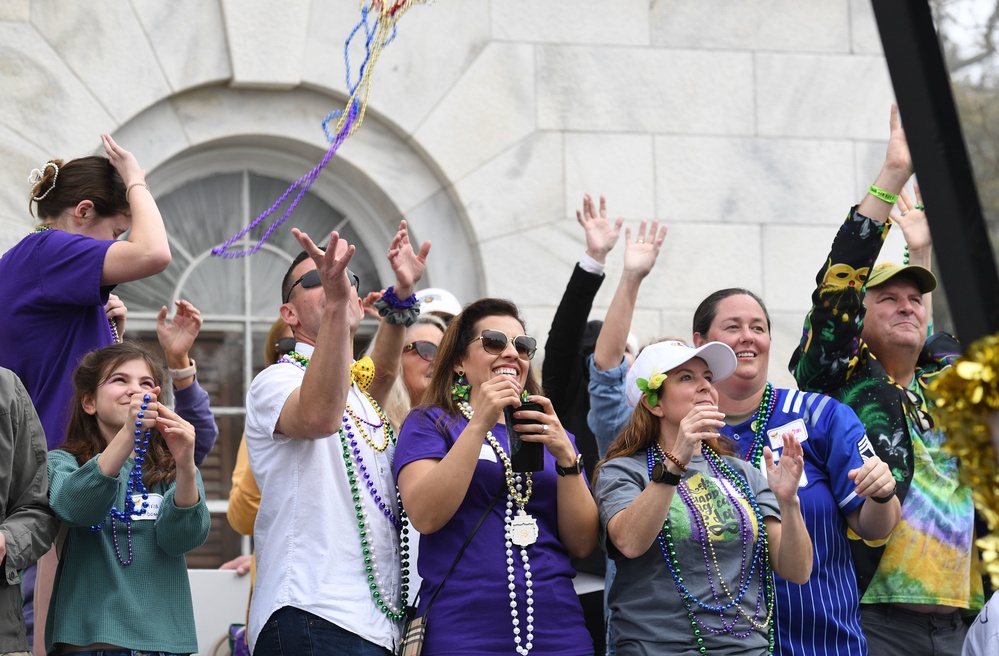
column 933, row 532
column 929, row 556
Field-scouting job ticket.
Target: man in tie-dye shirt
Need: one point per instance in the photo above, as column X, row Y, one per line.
column 874, row 355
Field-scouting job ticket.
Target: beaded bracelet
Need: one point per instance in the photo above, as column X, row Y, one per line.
column 878, row 192
column 676, row 461
column 397, row 303
column 135, row 184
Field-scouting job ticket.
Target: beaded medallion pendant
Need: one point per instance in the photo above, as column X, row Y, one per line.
column 725, row 604
column 521, row 531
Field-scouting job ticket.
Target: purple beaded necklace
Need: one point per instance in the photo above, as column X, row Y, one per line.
column 753, row 567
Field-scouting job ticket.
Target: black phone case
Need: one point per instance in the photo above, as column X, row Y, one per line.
column 524, row 456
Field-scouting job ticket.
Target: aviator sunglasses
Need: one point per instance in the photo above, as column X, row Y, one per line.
column 426, row 350
column 494, row 343
column 311, row 279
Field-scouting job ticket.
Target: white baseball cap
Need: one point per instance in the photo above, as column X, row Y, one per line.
column 663, row 356
column 435, row 299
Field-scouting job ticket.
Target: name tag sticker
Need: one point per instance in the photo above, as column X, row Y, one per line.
column 152, row 510
column 487, row 453
column 795, row 429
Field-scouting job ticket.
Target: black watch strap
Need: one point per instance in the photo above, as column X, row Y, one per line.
column 662, row 475
column 572, row 470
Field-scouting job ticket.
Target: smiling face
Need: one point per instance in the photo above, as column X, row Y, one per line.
column 741, row 323
column 685, row 386
column 480, row 366
column 896, row 317
column 416, row 371
column 111, row 402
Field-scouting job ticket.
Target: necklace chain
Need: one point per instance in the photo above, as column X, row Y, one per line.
column 758, row 562
column 759, row 424
column 516, row 494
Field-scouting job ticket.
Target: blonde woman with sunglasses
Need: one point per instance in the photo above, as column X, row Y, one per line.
column 511, row 590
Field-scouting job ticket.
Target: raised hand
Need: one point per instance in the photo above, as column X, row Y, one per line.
column 178, row 434
column 911, row 218
column 897, row 157
column 369, row 305
column 601, row 235
column 785, row 475
column 123, row 161
column 177, row 336
column 492, row 396
column 640, row 256
column 407, row 264
column 701, row 423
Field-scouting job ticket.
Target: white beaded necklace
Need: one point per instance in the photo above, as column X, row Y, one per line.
column 522, row 531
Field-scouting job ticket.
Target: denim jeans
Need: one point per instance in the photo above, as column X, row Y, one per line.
column 294, row 632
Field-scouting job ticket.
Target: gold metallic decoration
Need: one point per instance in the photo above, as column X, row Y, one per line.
column 966, row 399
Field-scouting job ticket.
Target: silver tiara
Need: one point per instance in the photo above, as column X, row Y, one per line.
column 37, row 175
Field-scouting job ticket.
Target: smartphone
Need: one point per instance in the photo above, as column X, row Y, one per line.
column 524, row 456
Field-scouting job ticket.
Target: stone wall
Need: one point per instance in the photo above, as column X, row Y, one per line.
column 748, row 127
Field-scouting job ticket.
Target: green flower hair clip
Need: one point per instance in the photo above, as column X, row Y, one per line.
column 651, row 386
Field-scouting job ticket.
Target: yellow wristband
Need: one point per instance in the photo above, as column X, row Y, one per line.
column 878, row 192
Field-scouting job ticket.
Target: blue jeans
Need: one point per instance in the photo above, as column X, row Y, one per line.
column 294, row 632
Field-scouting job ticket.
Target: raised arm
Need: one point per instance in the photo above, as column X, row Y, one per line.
column 639, row 258
column 830, row 343
column 146, row 252
column 408, row 266
column 790, row 546
column 190, row 401
column 563, row 365
column 312, row 410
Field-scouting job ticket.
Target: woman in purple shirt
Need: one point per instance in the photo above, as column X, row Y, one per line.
column 511, row 590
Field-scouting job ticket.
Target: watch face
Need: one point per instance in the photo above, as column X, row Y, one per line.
column 657, row 472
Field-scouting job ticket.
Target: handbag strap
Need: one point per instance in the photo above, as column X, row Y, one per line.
column 461, row 551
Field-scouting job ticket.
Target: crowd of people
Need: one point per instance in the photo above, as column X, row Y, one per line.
column 438, row 495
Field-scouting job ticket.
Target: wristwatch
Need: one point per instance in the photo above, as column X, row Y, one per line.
column 573, row 469
column 662, row 475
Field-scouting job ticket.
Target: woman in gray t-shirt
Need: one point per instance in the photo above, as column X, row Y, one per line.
column 695, row 533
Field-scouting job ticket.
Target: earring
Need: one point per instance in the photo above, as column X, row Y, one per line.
column 461, row 390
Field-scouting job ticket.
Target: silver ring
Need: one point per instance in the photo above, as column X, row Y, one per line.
column 544, row 428
column 641, row 241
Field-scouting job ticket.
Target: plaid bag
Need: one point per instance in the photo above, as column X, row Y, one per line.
column 411, row 643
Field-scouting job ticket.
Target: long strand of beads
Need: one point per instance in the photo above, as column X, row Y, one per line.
column 134, row 484
column 760, row 559
column 759, row 425
column 380, row 596
column 516, row 494
column 354, row 452
column 718, row 464
column 523, row 644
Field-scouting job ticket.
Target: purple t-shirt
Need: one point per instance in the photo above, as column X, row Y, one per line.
column 53, row 315
column 471, row 615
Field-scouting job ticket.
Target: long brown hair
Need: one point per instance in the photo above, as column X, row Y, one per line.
column 83, row 435
column 90, row 178
column 454, row 346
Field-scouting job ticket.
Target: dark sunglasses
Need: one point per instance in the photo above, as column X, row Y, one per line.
column 311, row 279
column 285, row 345
column 917, row 411
column 494, row 343
column 426, row 350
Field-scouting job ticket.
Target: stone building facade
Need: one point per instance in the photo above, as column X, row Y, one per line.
column 748, row 127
